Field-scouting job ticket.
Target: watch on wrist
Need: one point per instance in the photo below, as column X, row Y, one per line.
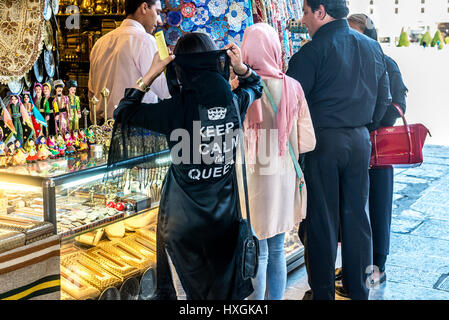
column 142, row 85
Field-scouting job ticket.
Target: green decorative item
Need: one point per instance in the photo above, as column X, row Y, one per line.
column 426, row 40
column 403, row 39
column 437, row 40
column 446, row 40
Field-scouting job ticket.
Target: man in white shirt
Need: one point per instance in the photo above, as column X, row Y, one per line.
column 123, row 55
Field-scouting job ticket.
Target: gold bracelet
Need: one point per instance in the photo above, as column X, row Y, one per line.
column 142, row 85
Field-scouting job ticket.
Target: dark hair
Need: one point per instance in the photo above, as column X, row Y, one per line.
column 194, row 42
column 365, row 24
column 337, row 9
column 132, row 5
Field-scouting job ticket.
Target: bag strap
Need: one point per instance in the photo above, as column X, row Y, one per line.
column 290, row 148
column 242, row 154
column 407, row 127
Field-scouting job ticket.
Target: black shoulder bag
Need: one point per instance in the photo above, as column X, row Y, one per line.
column 248, row 244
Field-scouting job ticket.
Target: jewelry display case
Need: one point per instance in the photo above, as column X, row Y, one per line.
column 107, row 227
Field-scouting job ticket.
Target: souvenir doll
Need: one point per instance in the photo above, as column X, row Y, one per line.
column 20, row 156
column 90, row 136
column 51, row 110
column 38, row 102
column 6, row 124
column 60, row 144
column 83, row 141
column 52, row 146
column 76, row 140
column 21, row 121
column 42, row 149
column 36, row 117
column 30, row 149
column 74, row 102
column 10, row 151
column 3, row 155
column 69, row 143
column 61, row 102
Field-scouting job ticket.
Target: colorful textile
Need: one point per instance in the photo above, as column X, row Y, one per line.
column 223, row 20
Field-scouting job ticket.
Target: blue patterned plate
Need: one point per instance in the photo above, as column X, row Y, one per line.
column 172, row 35
column 187, row 25
column 174, row 18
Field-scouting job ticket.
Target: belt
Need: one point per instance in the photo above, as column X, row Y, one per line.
column 16, row 115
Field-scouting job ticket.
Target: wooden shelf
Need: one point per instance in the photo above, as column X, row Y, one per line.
column 94, row 16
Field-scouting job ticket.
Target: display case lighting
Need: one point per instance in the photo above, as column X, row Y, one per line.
column 10, row 186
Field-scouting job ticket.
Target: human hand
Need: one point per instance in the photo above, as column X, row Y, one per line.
column 235, row 55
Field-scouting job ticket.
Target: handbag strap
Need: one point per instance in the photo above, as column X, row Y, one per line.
column 290, row 148
column 407, row 127
column 242, row 154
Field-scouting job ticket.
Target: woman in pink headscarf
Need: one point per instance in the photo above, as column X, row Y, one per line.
column 277, row 199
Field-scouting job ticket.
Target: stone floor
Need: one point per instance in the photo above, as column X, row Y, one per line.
column 418, row 265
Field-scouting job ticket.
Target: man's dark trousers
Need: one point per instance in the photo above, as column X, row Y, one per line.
column 336, row 173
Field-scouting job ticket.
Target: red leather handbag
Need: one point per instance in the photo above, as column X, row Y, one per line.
column 398, row 146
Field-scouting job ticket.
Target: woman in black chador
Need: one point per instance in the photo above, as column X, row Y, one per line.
column 199, row 207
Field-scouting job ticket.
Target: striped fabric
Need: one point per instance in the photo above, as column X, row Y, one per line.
column 31, row 271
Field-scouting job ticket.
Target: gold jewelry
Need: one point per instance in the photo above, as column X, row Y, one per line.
column 142, row 85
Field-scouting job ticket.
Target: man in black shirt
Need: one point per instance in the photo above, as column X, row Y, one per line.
column 344, row 77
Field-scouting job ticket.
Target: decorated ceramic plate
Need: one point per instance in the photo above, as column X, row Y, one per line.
column 47, row 10
column 188, row 9
column 218, row 30
column 174, row 4
column 187, row 25
column 48, row 36
column 55, row 6
column 201, row 16
column 16, row 86
column 49, row 62
column 172, row 35
column 38, row 69
column 174, row 18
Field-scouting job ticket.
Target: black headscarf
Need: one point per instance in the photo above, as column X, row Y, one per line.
column 204, row 74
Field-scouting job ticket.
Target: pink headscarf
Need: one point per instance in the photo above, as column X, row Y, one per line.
column 261, row 49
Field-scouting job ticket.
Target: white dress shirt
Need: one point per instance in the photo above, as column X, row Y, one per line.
column 117, row 60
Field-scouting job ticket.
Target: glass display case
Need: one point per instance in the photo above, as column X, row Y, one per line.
column 107, row 226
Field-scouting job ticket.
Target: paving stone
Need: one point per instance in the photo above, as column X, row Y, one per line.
column 408, row 243
column 408, row 179
column 413, row 276
column 399, row 187
column 433, row 229
column 414, row 259
column 436, row 160
column 399, row 291
column 433, row 211
column 397, row 196
column 435, row 197
column 411, row 214
column 404, row 224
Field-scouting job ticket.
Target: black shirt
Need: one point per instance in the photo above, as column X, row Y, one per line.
column 344, row 77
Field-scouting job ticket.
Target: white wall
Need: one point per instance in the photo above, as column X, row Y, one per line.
column 409, row 16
